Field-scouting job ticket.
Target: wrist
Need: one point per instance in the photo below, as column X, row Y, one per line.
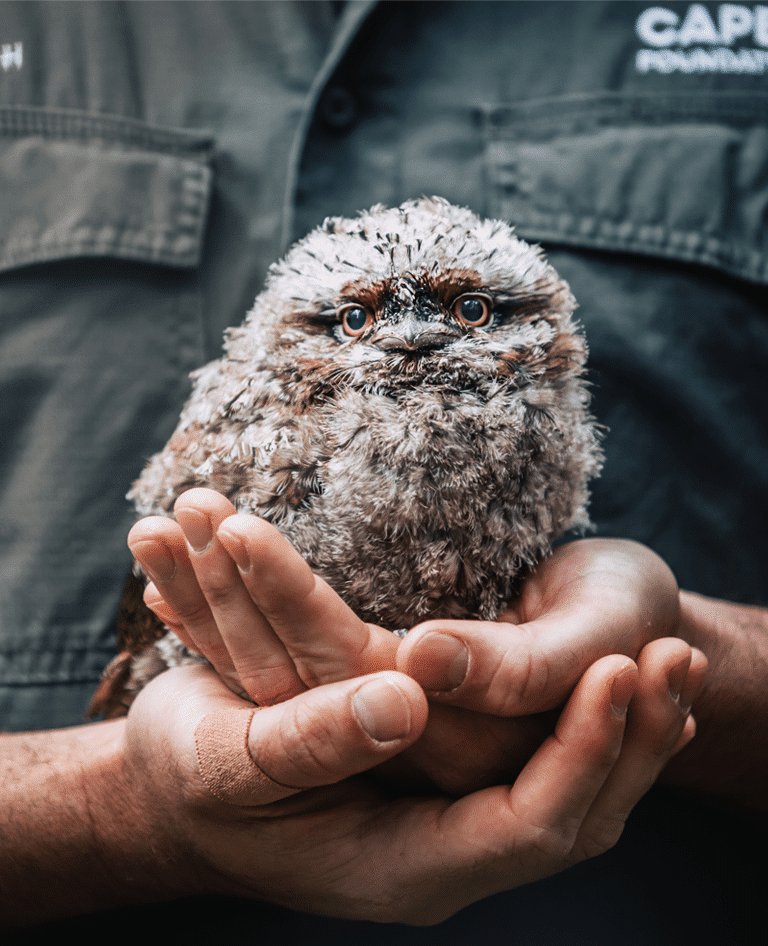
column 75, row 837
column 135, row 830
column 728, row 759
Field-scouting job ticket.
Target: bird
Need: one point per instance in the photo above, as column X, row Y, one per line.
column 407, row 402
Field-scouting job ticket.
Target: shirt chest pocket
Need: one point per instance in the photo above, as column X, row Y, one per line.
column 77, row 185
column 678, row 176
column 102, row 229
column 655, row 209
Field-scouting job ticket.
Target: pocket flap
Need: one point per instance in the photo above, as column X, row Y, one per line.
column 77, row 184
column 680, row 176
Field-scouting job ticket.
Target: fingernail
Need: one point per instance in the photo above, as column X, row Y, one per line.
column 439, row 662
column 197, row 529
column 236, row 549
column 622, row 691
column 156, row 561
column 677, row 677
column 693, row 682
column 382, row 711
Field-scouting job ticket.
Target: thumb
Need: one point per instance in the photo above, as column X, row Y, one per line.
column 251, row 756
column 505, row 669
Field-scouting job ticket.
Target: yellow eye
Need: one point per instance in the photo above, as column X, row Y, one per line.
column 473, row 309
column 354, row 318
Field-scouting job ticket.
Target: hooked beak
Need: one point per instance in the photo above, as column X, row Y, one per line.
column 414, row 334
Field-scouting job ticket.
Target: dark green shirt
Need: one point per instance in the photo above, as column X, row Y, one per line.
column 156, row 157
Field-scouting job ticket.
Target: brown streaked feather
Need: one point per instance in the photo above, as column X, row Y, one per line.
column 111, row 697
column 137, row 628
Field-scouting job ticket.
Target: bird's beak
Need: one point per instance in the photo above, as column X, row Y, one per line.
column 414, row 334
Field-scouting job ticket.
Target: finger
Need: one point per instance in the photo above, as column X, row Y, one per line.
column 494, row 667
column 670, row 675
column 503, row 836
column 460, row 751
column 694, row 681
column 254, row 757
column 559, row 785
column 325, row 638
column 165, row 613
column 233, row 629
column 589, row 598
column 159, row 546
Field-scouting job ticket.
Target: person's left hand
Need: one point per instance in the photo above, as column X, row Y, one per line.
column 235, row 590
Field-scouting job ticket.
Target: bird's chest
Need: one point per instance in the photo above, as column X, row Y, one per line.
column 423, row 463
column 412, row 502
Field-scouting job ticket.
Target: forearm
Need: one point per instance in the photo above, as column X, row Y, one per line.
column 728, row 759
column 73, row 837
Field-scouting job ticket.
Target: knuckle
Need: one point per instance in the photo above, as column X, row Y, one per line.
column 308, row 746
column 598, row 837
column 665, row 743
column 311, row 674
column 328, row 659
column 193, row 614
column 516, row 682
column 552, row 844
column 217, row 590
column 602, row 756
column 326, row 665
column 270, row 685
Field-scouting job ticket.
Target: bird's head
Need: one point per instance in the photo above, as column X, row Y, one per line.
column 423, row 294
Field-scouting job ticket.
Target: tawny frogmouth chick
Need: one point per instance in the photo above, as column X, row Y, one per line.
column 406, row 403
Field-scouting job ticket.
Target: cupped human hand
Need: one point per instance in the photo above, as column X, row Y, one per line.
column 237, row 592
column 591, row 597
column 271, row 802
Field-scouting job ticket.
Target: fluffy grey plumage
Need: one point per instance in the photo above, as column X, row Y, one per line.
column 406, row 403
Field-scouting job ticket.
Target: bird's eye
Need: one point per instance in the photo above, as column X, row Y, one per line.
column 473, row 309
column 354, row 319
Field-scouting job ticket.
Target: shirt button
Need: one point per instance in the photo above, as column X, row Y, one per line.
column 338, row 108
